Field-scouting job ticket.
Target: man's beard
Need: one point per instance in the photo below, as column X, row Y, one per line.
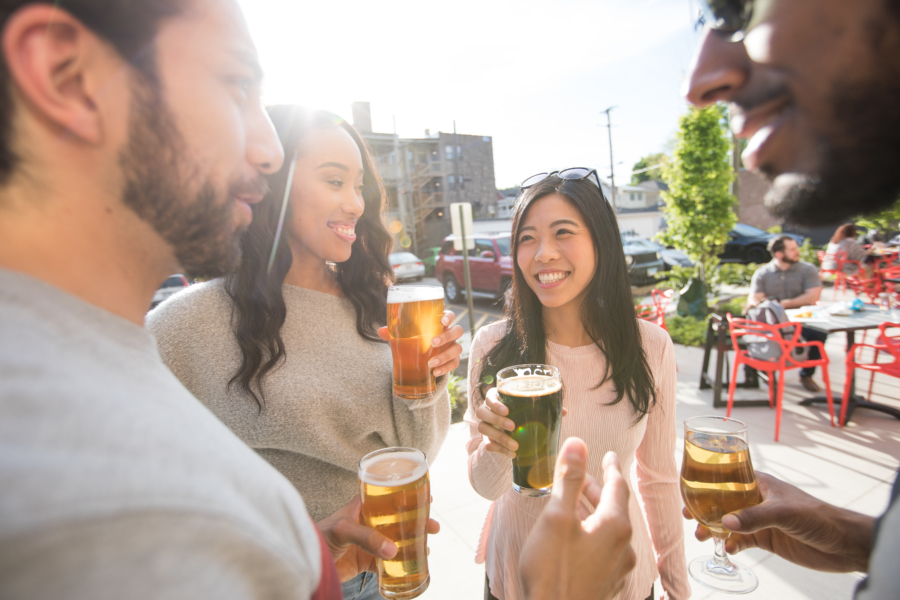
column 200, row 226
column 860, row 171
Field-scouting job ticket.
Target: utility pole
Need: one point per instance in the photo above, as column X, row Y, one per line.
column 456, row 163
column 612, row 172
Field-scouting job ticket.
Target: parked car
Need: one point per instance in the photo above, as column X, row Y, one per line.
column 747, row 244
column 490, row 266
column 644, row 259
column 407, row 265
column 170, row 286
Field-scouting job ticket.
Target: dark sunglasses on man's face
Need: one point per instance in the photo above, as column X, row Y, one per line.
column 732, row 18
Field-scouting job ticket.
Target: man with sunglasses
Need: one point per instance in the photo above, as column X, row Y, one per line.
column 813, row 85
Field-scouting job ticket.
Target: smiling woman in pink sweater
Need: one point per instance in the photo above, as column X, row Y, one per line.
column 570, row 306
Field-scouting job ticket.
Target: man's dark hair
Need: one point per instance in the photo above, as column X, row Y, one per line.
column 776, row 244
column 128, row 25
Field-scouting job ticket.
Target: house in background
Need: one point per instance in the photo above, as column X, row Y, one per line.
column 423, row 176
column 639, row 208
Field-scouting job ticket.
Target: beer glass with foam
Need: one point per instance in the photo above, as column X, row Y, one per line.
column 396, row 499
column 533, row 394
column 413, row 321
column 717, row 478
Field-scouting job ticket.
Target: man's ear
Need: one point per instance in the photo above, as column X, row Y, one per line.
column 51, row 57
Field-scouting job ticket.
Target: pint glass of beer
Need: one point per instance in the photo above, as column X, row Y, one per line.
column 533, row 394
column 413, row 320
column 717, row 478
column 396, row 499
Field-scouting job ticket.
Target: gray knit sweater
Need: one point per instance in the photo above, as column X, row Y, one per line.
column 326, row 406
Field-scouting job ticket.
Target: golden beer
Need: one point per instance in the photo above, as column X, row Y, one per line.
column 396, row 500
column 413, row 321
column 533, row 395
column 717, row 478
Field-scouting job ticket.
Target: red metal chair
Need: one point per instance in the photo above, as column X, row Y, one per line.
column 836, row 272
column 662, row 299
column 755, row 331
column 656, row 312
column 885, row 343
column 865, row 288
column 883, row 339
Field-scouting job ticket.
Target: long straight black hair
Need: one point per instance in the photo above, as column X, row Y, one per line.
column 607, row 312
column 259, row 310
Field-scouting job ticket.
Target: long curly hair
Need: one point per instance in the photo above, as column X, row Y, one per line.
column 259, row 310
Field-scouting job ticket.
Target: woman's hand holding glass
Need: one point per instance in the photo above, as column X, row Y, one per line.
column 447, row 360
column 493, row 423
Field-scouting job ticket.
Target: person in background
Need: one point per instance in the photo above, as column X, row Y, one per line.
column 291, row 360
column 571, row 307
column 792, row 283
column 844, row 240
column 813, row 85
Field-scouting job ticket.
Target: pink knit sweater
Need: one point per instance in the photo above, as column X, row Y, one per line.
column 646, row 450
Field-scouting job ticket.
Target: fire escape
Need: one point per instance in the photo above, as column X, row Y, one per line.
column 426, row 182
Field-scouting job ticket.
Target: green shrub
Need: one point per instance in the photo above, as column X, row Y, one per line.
column 734, row 306
column 686, row 330
column 455, row 390
column 809, row 254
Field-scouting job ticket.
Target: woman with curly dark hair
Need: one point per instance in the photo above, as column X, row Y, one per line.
column 289, row 351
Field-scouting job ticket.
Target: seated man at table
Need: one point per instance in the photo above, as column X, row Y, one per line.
column 793, row 283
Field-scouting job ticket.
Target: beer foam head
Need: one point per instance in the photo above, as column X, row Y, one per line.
column 530, row 385
column 393, row 469
column 414, row 293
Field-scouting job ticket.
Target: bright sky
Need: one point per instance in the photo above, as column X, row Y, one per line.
column 532, row 74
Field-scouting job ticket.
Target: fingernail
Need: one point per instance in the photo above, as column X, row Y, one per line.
column 512, row 454
column 445, row 321
column 509, row 425
column 514, row 445
column 388, row 549
column 438, row 372
column 436, row 342
column 731, row 522
column 433, row 362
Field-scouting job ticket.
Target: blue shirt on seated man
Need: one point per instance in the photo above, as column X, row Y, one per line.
column 793, row 283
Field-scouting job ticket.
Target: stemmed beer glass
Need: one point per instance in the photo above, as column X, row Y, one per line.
column 716, row 479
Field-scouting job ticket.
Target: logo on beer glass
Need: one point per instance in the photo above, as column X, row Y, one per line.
column 413, row 320
column 396, row 500
column 533, row 394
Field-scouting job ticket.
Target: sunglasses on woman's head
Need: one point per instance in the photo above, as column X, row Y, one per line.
column 572, row 174
column 732, row 18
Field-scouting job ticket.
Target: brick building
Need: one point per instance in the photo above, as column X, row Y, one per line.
column 424, row 175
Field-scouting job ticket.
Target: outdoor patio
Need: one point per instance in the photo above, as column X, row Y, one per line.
column 853, row 467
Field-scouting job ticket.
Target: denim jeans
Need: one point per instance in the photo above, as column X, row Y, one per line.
column 362, row 587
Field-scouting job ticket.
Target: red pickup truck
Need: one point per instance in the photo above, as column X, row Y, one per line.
column 490, row 266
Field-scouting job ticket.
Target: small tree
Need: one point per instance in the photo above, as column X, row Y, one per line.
column 699, row 207
column 885, row 221
column 651, row 160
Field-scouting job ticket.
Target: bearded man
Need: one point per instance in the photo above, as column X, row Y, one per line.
column 813, row 85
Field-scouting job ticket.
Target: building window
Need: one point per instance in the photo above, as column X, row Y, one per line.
column 451, row 182
column 449, row 151
column 462, row 182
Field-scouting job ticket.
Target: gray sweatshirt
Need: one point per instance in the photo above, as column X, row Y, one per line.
column 116, row 483
column 326, row 406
